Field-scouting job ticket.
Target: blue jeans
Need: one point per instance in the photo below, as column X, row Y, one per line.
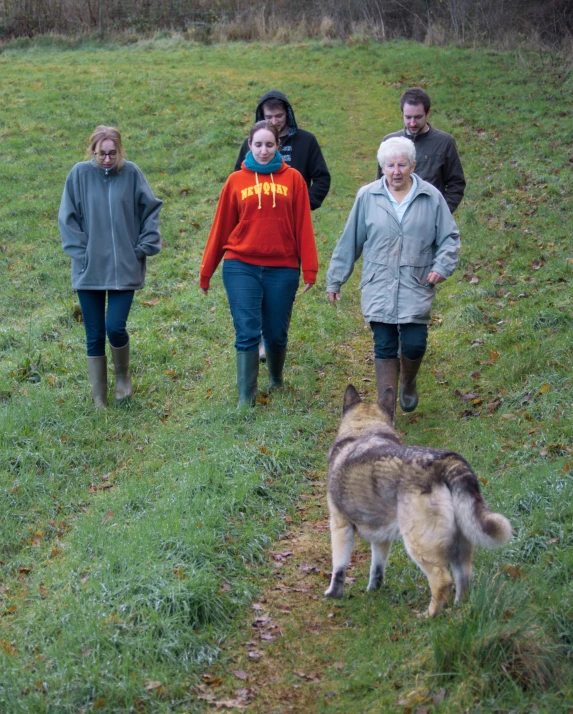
column 261, row 300
column 410, row 339
column 97, row 323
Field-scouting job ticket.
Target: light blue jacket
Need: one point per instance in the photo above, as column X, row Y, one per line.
column 397, row 257
column 109, row 223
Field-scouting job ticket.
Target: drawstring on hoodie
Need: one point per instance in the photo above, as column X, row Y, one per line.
column 259, row 191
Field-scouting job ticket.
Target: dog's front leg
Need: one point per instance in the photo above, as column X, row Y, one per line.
column 342, row 537
column 380, row 555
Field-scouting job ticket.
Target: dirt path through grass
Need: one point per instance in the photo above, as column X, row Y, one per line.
column 134, row 543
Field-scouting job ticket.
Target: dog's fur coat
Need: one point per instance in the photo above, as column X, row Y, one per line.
column 385, row 490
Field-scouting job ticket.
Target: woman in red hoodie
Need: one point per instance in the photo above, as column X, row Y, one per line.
column 263, row 231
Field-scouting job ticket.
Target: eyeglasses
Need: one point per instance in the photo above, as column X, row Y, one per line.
column 103, row 154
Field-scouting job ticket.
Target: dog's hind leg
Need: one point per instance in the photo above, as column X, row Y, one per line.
column 461, row 562
column 428, row 528
column 342, row 538
column 434, row 566
column 380, row 555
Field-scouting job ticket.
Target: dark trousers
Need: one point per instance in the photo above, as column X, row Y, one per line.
column 409, row 339
column 261, row 300
column 97, row 323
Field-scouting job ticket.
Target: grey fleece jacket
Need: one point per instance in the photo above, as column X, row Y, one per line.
column 109, row 223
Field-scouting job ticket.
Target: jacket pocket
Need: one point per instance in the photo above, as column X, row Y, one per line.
column 79, row 265
column 366, row 279
column 420, row 275
column 415, row 298
column 378, row 294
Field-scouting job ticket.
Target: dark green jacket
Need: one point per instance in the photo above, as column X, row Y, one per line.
column 109, row 223
column 438, row 163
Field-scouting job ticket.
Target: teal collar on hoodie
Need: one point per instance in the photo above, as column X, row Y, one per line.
column 270, row 168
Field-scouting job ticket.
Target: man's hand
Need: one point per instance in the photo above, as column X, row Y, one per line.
column 333, row 297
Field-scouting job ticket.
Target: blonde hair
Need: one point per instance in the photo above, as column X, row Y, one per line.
column 101, row 133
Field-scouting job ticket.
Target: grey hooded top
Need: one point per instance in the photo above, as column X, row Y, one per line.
column 109, row 223
column 397, row 256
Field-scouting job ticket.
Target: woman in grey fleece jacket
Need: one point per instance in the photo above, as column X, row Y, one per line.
column 109, row 222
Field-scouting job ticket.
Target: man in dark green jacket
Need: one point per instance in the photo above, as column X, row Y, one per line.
column 437, row 158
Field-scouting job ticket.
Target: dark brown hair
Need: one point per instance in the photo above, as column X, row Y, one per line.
column 414, row 96
column 271, row 104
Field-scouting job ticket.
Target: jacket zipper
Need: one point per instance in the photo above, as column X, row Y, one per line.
column 112, row 231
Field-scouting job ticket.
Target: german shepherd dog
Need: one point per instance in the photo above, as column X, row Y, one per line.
column 384, row 490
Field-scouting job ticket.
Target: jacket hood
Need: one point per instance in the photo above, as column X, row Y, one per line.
column 275, row 94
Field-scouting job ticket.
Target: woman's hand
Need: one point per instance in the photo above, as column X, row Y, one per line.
column 204, row 290
column 307, row 287
column 435, row 278
column 333, row 297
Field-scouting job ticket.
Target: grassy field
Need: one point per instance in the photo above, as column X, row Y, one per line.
column 134, row 542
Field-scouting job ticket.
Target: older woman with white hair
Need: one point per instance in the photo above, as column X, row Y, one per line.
column 410, row 243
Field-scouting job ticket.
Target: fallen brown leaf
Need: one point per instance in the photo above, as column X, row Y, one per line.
column 211, row 681
column 108, row 517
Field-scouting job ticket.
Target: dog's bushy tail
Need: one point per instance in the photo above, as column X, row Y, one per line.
column 479, row 525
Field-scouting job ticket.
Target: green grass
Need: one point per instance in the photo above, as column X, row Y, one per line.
column 132, row 541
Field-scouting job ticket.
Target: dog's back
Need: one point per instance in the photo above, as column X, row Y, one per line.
column 431, row 497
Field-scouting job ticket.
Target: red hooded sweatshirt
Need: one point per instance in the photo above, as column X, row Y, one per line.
column 262, row 219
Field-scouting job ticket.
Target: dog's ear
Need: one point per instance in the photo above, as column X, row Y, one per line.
column 387, row 402
column 351, row 398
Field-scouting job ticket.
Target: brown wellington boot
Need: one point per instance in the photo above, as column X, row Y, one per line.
column 97, row 374
column 387, row 371
column 123, row 385
column 408, row 394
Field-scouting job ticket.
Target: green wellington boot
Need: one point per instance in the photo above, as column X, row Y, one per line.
column 247, row 375
column 97, row 375
column 123, row 385
column 275, row 365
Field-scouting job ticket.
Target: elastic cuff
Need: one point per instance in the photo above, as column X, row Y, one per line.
column 204, row 282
